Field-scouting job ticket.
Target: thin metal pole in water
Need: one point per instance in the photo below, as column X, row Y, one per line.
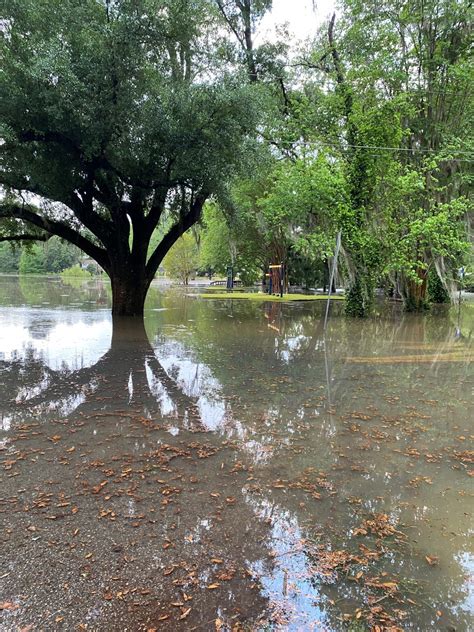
column 331, row 278
column 461, row 273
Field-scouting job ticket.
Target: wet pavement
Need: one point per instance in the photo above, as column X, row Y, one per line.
column 232, row 466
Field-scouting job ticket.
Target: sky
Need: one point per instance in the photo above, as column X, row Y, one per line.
column 303, row 19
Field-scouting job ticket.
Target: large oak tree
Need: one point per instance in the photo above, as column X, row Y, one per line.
column 118, row 117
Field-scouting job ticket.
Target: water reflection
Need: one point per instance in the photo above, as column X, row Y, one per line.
column 239, row 461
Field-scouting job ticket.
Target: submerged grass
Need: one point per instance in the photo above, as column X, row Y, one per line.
column 260, row 296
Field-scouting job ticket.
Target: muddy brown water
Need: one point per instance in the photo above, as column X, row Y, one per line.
column 234, row 466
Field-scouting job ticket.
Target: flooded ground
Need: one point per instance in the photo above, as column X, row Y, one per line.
column 234, row 467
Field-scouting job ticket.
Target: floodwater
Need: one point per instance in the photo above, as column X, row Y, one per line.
column 234, row 467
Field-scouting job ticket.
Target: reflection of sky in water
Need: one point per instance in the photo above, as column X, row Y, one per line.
column 292, row 345
column 60, row 339
column 167, row 406
column 466, row 561
column 197, row 381
column 287, row 583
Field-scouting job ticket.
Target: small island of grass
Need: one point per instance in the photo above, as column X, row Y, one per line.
column 260, row 296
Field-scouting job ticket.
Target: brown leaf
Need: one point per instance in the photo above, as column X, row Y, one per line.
column 185, row 613
column 389, row 585
column 432, row 559
column 8, row 605
column 97, row 488
column 169, row 570
column 213, row 586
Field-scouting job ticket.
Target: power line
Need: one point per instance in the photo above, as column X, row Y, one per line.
column 343, row 146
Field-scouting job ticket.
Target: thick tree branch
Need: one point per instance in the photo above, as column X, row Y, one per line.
column 286, row 100
column 334, row 52
column 228, row 20
column 53, row 227
column 341, row 81
column 25, row 237
column 32, row 136
column 81, row 205
column 157, row 208
column 85, row 213
column 175, row 232
column 244, row 39
column 159, row 199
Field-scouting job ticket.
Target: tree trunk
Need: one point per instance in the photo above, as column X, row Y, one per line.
column 128, row 294
column 415, row 293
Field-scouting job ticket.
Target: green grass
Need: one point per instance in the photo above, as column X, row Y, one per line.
column 260, row 296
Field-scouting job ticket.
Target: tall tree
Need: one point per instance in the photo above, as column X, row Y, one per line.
column 182, row 259
column 117, row 117
column 241, row 17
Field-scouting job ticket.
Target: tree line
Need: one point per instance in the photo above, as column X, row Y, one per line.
column 51, row 257
column 127, row 124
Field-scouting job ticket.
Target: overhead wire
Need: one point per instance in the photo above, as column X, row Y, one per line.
column 452, row 152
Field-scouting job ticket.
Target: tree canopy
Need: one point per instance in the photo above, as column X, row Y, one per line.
column 117, row 116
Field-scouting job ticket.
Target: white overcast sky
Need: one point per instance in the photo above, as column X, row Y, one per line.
column 302, row 17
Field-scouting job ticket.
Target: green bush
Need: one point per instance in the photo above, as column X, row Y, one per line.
column 436, row 291
column 75, row 272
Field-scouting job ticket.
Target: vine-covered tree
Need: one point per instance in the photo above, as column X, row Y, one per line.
column 386, row 87
column 118, row 117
